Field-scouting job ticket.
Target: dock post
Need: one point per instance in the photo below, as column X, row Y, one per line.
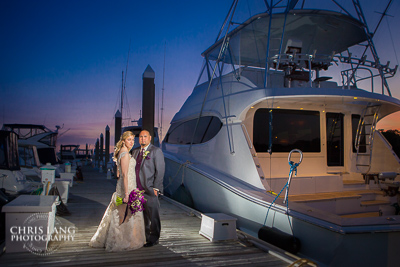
column 107, row 148
column 87, row 154
column 97, row 153
column 117, row 135
column 101, row 152
column 108, row 164
column 148, row 101
column 117, row 127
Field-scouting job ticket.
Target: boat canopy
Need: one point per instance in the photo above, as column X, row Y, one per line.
column 26, row 130
column 312, row 32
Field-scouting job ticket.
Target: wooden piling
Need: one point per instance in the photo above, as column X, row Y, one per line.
column 148, row 101
column 97, row 153
column 101, row 151
column 107, row 148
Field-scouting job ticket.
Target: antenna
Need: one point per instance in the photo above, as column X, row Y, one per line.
column 122, row 93
column 63, row 132
column 123, row 89
column 127, row 63
column 162, row 94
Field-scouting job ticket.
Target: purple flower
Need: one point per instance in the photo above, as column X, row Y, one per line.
column 136, row 200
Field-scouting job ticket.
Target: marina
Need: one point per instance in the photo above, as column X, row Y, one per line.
column 274, row 158
column 180, row 242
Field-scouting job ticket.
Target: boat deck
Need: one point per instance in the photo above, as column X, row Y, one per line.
column 180, row 242
column 333, row 195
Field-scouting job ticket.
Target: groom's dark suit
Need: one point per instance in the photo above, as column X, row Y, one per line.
column 151, row 174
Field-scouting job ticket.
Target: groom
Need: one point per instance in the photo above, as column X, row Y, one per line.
column 149, row 169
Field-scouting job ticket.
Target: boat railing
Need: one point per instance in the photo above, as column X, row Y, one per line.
column 348, row 74
column 302, row 60
column 301, row 66
column 389, row 72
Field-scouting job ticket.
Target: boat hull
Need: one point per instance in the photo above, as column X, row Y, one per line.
column 193, row 187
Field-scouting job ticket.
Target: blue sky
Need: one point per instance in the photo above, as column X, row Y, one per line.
column 62, row 61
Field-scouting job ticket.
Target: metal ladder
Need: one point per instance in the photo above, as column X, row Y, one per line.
column 365, row 137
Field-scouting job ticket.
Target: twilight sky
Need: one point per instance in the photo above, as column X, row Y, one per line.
column 62, row 61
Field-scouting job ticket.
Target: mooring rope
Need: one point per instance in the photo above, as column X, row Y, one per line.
column 183, row 171
column 293, row 168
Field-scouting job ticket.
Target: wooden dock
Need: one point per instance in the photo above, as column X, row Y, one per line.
column 180, row 242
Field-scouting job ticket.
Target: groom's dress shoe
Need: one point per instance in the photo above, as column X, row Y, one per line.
column 150, row 244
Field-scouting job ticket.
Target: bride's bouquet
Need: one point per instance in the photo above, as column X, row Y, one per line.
column 135, row 204
column 136, row 200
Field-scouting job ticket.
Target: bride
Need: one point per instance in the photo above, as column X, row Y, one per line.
column 130, row 234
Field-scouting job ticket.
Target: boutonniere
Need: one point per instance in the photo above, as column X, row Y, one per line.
column 146, row 155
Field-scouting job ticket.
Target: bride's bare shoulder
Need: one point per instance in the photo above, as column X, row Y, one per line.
column 122, row 152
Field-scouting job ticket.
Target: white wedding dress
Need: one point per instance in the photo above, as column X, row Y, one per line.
column 130, row 234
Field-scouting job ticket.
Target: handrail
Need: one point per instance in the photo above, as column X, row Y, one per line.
column 345, row 73
column 311, row 62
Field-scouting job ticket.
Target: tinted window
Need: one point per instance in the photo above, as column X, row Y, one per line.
column 47, row 155
column 3, row 161
column 9, row 149
column 282, row 130
column 182, row 133
column 26, row 157
column 49, row 140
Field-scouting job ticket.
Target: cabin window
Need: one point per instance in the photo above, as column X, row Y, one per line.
column 3, row 161
column 26, row 157
column 9, row 151
column 49, row 140
column 282, row 130
column 182, row 133
column 334, row 139
column 354, row 125
column 47, row 155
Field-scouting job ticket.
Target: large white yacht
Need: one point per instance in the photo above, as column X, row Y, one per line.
column 284, row 102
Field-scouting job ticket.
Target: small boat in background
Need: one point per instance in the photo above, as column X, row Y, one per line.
column 293, row 79
column 13, row 181
column 40, row 136
column 68, row 153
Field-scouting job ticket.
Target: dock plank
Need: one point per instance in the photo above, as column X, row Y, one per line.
column 180, row 241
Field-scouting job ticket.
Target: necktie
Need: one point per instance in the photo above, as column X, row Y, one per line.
column 137, row 169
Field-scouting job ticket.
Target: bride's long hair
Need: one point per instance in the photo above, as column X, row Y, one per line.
column 120, row 143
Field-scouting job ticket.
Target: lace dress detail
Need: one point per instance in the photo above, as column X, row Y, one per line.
column 129, row 235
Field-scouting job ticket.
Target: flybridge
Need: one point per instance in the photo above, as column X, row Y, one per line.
column 36, row 134
column 300, row 44
column 247, row 43
column 25, row 131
